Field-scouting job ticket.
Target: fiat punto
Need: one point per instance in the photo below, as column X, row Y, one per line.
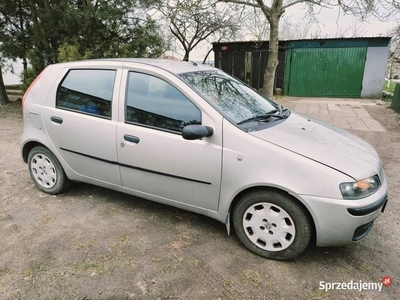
column 193, row 137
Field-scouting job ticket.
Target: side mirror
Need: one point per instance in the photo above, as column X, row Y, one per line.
column 195, row 132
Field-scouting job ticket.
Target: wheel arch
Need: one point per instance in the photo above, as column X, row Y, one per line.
column 27, row 147
column 236, row 199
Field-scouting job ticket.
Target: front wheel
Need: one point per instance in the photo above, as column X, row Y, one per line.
column 272, row 224
column 46, row 171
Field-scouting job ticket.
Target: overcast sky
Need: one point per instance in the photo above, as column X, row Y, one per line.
column 331, row 24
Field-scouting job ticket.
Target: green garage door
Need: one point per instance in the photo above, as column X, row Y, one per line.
column 325, row 72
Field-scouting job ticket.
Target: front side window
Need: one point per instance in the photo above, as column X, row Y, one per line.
column 87, row 91
column 234, row 99
column 154, row 102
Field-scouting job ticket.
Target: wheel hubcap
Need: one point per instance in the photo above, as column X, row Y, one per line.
column 43, row 171
column 269, row 227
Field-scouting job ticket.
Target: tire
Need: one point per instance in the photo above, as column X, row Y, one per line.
column 46, row 171
column 272, row 224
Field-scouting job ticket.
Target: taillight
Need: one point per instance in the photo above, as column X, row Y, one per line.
column 30, row 87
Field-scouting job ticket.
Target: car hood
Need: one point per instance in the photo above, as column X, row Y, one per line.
column 327, row 144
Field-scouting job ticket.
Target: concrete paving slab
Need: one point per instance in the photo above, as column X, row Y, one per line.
column 350, row 101
column 349, row 113
column 342, row 125
column 361, row 112
column 359, row 126
column 336, row 113
column 344, row 113
column 301, row 108
column 372, row 124
column 324, row 112
column 333, row 107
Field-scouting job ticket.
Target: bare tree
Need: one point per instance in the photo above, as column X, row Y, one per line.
column 353, row 29
column 256, row 24
column 394, row 54
column 193, row 21
column 257, row 27
column 274, row 9
column 222, row 35
column 308, row 28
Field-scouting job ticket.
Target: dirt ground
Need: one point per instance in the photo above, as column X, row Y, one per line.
column 93, row 243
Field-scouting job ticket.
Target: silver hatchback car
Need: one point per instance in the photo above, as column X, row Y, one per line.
column 196, row 138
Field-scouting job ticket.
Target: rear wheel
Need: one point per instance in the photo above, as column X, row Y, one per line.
column 272, row 224
column 46, row 171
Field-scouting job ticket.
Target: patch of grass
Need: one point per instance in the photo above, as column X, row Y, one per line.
column 194, row 262
column 390, row 88
column 83, row 266
column 366, row 267
column 35, row 270
column 341, row 270
column 229, row 286
column 178, row 259
column 4, row 271
column 87, row 245
column 121, row 241
column 157, row 259
column 387, row 97
column 319, row 294
column 252, row 276
column 173, row 264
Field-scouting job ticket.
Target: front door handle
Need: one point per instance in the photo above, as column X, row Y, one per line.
column 56, row 119
column 131, row 138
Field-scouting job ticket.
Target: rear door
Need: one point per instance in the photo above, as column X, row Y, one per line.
column 154, row 158
column 81, row 122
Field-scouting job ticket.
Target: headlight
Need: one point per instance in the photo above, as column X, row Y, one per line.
column 360, row 188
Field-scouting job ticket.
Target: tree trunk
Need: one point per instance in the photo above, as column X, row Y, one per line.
column 269, row 76
column 3, row 95
column 186, row 57
column 25, row 63
column 208, row 53
column 21, row 26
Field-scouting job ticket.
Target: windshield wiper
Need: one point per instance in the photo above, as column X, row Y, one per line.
column 263, row 117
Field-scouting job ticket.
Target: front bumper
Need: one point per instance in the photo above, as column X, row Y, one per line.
column 339, row 222
column 366, row 210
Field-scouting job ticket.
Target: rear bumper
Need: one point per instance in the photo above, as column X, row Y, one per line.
column 340, row 222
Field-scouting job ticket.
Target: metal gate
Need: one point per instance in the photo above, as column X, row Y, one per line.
column 325, row 72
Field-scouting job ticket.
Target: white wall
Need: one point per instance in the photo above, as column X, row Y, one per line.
column 374, row 72
column 10, row 78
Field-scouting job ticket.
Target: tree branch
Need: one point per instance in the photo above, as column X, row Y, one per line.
column 306, row 1
column 240, row 2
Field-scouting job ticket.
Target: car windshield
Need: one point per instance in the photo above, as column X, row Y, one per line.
column 238, row 102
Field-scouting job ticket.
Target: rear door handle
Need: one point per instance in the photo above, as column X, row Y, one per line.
column 56, row 119
column 131, row 138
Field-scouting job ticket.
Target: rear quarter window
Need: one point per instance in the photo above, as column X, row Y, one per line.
column 87, row 91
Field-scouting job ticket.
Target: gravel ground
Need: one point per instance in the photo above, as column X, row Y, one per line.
column 93, row 243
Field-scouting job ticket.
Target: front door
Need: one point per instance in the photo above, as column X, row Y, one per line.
column 154, row 159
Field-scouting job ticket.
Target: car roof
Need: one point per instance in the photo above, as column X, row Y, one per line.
column 172, row 66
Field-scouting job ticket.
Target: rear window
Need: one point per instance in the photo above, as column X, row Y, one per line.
column 87, row 91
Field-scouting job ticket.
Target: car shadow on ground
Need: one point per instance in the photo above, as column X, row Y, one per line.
column 200, row 223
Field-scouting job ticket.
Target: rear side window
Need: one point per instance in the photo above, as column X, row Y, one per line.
column 87, row 91
column 154, row 102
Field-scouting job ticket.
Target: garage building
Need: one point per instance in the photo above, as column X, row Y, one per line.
column 346, row 67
